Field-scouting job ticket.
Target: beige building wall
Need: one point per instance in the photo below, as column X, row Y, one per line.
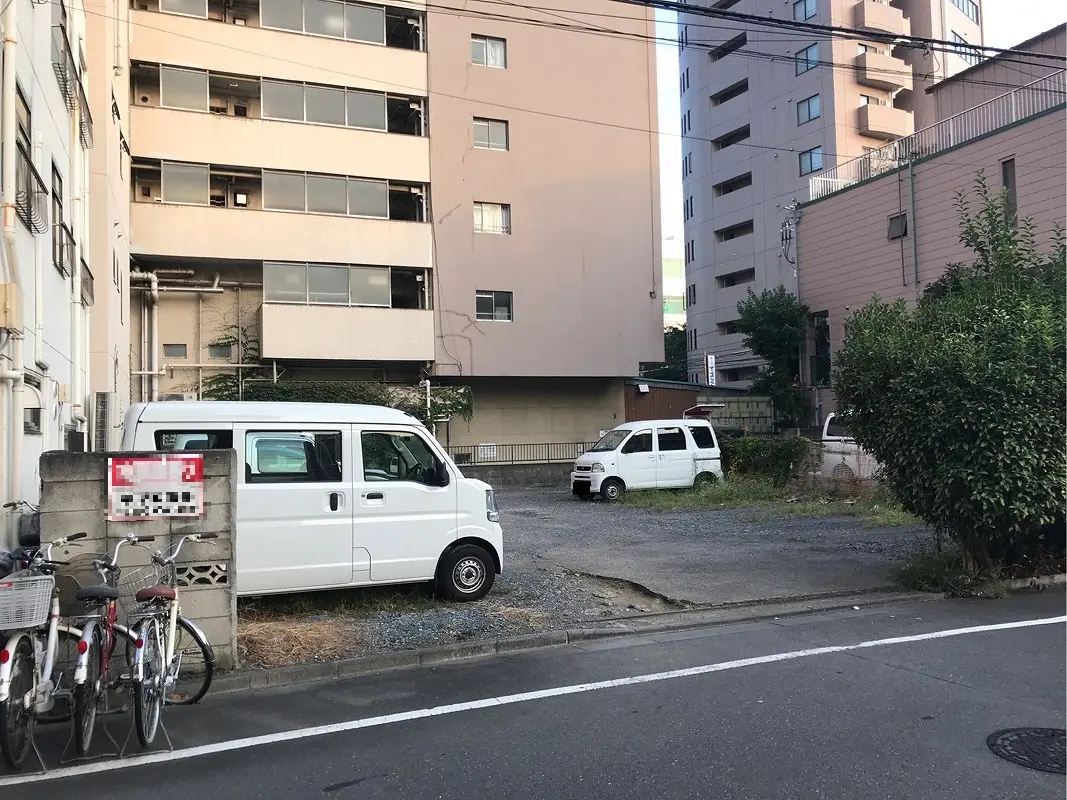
column 107, row 46
column 581, row 175
column 845, row 255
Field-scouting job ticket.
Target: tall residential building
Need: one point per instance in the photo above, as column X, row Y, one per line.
column 374, row 192
column 48, row 282
column 765, row 108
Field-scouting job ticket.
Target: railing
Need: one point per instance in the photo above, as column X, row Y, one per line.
column 63, row 248
column 31, row 196
column 85, row 119
column 544, row 453
column 64, row 66
column 1027, row 101
column 88, row 286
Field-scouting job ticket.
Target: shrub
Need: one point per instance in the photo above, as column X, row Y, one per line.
column 776, row 459
column 962, row 400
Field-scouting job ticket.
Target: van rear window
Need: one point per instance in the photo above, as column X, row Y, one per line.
column 193, row 440
column 702, row 436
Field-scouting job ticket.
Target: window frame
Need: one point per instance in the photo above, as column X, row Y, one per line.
column 488, row 123
column 681, row 430
column 251, row 445
column 809, row 9
column 693, row 428
column 810, row 153
column 806, row 103
column 163, row 68
column 808, row 62
column 479, row 218
column 184, row 351
column 492, row 293
column 643, row 432
column 485, row 42
column 437, row 474
column 897, row 226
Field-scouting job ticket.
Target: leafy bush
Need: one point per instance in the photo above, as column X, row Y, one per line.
column 962, row 400
column 777, row 459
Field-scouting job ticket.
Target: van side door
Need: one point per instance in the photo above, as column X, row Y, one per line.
column 294, row 507
column 637, row 461
column 674, row 457
column 406, row 502
column 708, row 457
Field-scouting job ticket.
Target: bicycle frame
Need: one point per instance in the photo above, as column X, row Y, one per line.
column 92, row 622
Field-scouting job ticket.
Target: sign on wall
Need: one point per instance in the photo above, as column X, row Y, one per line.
column 151, row 487
column 709, row 368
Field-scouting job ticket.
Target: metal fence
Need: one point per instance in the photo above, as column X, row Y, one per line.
column 543, row 453
column 1019, row 104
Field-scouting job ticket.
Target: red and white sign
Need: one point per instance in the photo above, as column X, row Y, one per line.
column 154, row 487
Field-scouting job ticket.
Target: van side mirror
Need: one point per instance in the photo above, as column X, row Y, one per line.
column 443, row 478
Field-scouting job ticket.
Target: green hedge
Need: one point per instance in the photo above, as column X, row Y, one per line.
column 777, row 459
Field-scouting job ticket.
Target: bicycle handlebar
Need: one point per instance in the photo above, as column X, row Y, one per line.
column 162, row 560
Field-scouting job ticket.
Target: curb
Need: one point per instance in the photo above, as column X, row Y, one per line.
column 1059, row 579
column 637, row 626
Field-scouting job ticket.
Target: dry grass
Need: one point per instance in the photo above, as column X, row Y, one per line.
column 276, row 642
column 527, row 617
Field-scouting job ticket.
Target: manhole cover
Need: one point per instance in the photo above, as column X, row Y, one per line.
column 1038, row 748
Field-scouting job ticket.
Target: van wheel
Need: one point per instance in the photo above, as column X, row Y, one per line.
column 705, row 479
column 612, row 489
column 465, row 574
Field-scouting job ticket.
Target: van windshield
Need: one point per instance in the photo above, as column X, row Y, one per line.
column 611, row 441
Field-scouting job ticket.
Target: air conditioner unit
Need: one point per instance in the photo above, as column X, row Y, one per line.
column 105, row 420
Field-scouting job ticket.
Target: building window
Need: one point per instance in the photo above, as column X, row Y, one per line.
column 808, row 109
column 183, row 88
column 739, row 374
column 185, row 183
column 968, row 7
column 491, row 134
column 338, row 194
column 969, row 53
column 728, row 328
column 729, row 93
column 871, row 100
column 691, row 336
column 738, row 278
column 898, row 226
column 690, row 295
column 731, row 138
column 807, row 59
column 493, row 306
column 187, row 8
column 220, row 351
column 1011, row 200
column 345, row 284
column 492, row 218
column 356, row 22
column 24, row 127
column 31, row 417
column 690, row 251
column 731, row 46
column 487, row 51
column 62, row 240
column 804, row 9
column 811, row 160
column 735, row 231
column 732, row 185
column 175, row 351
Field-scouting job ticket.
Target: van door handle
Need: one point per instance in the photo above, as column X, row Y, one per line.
column 335, row 501
column 374, row 496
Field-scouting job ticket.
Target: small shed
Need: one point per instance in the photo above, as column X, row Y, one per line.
column 656, row 399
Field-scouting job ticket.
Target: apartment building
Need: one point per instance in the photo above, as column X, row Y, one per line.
column 349, row 191
column 887, row 222
column 48, row 286
column 763, row 109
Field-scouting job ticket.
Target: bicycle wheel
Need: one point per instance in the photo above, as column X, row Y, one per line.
column 195, row 665
column 87, row 695
column 148, row 692
column 16, row 721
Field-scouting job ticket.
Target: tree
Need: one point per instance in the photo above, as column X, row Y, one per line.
column 962, row 400
column 675, row 366
column 775, row 325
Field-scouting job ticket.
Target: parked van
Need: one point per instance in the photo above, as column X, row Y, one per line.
column 842, row 456
column 333, row 496
column 653, row 454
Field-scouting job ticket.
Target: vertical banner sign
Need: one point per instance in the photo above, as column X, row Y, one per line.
column 709, row 367
column 154, row 487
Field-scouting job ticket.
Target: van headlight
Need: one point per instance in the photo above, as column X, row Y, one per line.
column 492, row 513
column 598, row 468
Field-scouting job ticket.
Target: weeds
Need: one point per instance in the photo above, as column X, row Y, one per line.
column 340, row 603
column 944, row 572
column 877, row 509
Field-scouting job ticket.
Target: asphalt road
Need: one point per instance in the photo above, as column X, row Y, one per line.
column 720, row 556
column 900, row 720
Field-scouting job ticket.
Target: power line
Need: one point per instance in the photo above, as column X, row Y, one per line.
column 549, row 114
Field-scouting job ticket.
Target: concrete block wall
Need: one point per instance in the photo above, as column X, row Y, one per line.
column 74, row 498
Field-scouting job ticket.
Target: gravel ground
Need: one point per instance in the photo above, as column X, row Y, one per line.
column 571, row 564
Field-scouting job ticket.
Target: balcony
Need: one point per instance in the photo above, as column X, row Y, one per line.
column 63, row 248
column 872, row 15
column 31, row 196
column 248, row 49
column 88, row 286
column 882, row 71
column 885, row 122
column 345, row 333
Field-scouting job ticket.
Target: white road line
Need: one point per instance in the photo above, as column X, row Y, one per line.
column 491, row 702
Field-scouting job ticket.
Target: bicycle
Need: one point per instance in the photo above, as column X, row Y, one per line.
column 156, row 661
column 29, row 610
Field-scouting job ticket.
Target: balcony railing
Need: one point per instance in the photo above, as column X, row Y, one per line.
column 85, row 119
column 63, row 248
column 88, row 286
column 65, row 67
column 31, row 196
column 1017, row 105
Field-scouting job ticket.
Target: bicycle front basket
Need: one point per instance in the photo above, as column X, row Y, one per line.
column 25, row 600
column 78, row 573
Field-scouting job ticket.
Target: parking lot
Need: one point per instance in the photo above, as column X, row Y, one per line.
column 702, row 557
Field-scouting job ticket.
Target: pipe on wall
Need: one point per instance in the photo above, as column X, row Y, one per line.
column 38, row 285
column 153, row 291
column 914, row 226
column 77, row 310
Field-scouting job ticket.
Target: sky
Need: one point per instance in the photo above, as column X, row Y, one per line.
column 1006, row 23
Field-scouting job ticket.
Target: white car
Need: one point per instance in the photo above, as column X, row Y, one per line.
column 651, row 454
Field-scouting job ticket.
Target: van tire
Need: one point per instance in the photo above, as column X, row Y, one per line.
column 705, row 479
column 465, row 574
column 612, row 489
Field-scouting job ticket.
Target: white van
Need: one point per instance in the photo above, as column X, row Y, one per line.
column 842, row 456
column 652, row 454
column 334, row 495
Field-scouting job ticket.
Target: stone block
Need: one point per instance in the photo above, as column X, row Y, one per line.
column 60, row 466
column 74, row 496
column 219, row 490
column 216, row 519
column 63, row 523
column 206, row 603
column 158, row 528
